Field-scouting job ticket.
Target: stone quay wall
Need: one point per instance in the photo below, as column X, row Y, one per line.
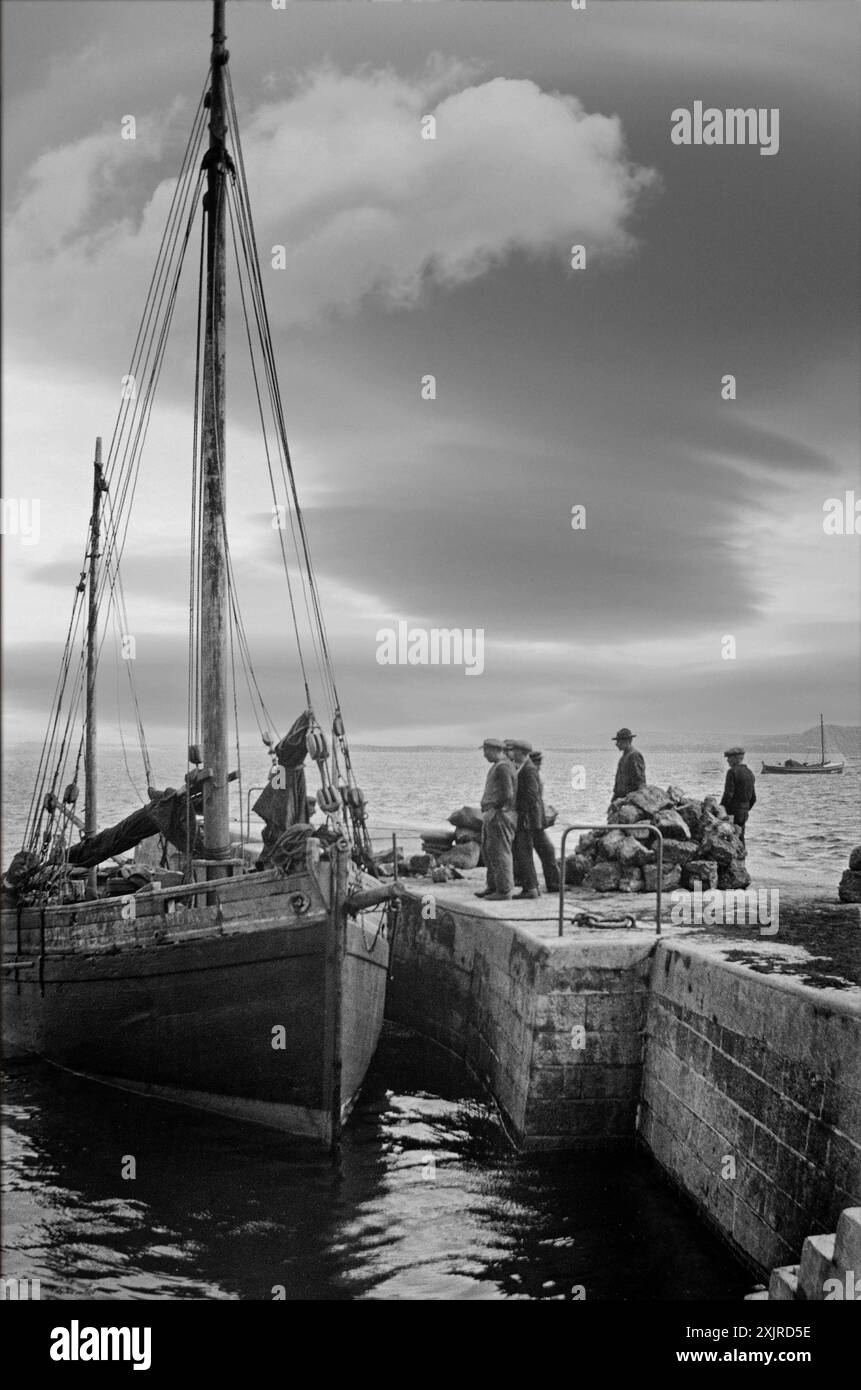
column 752, row 1099
column 555, row 1029
column 744, row 1086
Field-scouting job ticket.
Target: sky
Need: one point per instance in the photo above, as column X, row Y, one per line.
column 598, row 387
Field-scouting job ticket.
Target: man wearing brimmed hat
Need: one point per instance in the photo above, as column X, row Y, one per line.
column 631, row 768
column 499, row 818
column 738, row 793
column 530, row 815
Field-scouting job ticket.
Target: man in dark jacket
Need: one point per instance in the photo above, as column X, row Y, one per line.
column 631, row 768
column 541, row 841
column 530, row 816
column 499, row 819
column 739, row 795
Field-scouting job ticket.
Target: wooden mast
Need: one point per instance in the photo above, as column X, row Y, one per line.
column 822, row 737
column 213, row 594
column 90, row 775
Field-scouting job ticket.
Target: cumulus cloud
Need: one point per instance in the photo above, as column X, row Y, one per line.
column 341, row 176
column 363, row 204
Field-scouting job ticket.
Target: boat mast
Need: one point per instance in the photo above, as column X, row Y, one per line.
column 822, row 738
column 213, row 593
column 90, row 777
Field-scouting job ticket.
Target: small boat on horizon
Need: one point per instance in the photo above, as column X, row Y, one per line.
column 792, row 766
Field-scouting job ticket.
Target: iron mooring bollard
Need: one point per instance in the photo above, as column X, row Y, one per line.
column 638, row 825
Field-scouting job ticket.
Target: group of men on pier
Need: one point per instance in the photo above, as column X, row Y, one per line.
column 515, row 822
column 515, row 818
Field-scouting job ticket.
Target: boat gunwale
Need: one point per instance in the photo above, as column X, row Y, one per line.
column 85, row 907
column 180, row 935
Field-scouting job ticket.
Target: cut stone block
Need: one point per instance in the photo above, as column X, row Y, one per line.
column 678, row 852
column 631, row 880
column 690, row 812
column 603, row 877
column 576, row 868
column 732, row 876
column 817, row 1259
column 671, row 825
column 783, row 1284
column 703, row 871
column 672, row 877
column 634, row 854
column 649, row 799
column 610, row 845
column 721, row 843
column 849, row 890
column 847, row 1243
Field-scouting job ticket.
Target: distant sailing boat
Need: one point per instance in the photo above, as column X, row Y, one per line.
column 191, row 973
column 791, row 766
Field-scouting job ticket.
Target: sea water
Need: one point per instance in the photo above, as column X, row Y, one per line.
column 800, row 832
column 428, row 1199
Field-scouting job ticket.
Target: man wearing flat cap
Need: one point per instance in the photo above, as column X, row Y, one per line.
column 499, row 820
column 541, row 841
column 738, row 793
column 631, row 768
column 530, row 815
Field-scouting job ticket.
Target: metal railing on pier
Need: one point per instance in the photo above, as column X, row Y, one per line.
column 638, row 825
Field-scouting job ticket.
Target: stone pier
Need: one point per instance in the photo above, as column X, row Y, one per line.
column 734, row 1058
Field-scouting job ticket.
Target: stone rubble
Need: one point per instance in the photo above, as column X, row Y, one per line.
column 849, row 890
column 700, row 846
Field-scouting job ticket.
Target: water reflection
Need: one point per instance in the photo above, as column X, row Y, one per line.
column 428, row 1201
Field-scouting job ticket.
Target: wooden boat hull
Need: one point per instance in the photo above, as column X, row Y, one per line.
column 816, row 768
column 249, row 1008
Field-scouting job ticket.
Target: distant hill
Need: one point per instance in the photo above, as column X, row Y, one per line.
column 841, row 740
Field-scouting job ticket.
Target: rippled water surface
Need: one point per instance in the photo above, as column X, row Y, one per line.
column 801, row 830
column 428, row 1202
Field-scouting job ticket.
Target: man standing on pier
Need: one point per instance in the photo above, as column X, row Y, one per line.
column 541, row 841
column 499, row 818
column 739, row 795
column 530, row 817
column 631, row 768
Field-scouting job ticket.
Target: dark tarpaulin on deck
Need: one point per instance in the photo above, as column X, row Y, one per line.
column 106, row 844
column 283, row 802
column 174, row 818
column 164, row 815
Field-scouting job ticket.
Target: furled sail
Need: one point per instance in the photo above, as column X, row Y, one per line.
column 168, row 813
column 283, row 803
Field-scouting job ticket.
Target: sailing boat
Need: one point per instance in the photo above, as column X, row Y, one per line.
column 195, row 972
column 791, row 766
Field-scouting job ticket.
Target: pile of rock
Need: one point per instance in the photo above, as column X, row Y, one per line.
column 700, row 846
column 454, row 846
column 849, row 890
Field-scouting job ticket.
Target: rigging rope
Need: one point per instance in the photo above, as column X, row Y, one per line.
column 122, row 475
